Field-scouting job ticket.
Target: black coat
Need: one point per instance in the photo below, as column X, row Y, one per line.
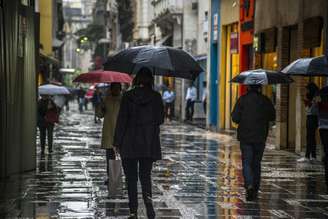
column 253, row 113
column 137, row 133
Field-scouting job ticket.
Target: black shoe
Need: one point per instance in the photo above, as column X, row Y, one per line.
column 250, row 194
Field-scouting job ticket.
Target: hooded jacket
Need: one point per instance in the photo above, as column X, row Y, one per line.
column 252, row 113
column 137, row 133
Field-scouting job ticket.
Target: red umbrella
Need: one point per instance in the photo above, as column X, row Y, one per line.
column 103, row 76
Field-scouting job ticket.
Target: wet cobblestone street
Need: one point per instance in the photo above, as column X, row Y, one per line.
column 199, row 177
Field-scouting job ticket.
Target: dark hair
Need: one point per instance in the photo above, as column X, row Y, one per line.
column 144, row 78
column 114, row 84
column 313, row 90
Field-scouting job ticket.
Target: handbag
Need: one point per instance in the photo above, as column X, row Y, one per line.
column 114, row 177
column 52, row 117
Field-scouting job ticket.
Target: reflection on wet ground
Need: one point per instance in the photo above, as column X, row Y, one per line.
column 199, row 177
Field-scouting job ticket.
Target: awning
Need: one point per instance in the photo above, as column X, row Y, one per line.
column 57, row 43
column 163, row 40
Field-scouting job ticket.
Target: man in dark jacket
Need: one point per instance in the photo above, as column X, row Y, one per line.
column 253, row 113
column 137, row 137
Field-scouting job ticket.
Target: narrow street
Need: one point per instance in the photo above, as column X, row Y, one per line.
column 200, row 177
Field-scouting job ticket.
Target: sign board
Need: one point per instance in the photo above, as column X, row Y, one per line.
column 215, row 27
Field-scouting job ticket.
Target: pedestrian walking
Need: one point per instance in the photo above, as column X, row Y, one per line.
column 81, row 98
column 110, row 106
column 190, row 101
column 323, row 129
column 252, row 113
column 47, row 117
column 96, row 100
column 137, row 138
column 168, row 99
column 311, row 122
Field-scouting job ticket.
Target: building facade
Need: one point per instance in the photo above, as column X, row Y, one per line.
column 296, row 31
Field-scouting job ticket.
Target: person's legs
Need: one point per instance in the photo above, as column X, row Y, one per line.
column 170, row 111
column 130, row 167
column 166, row 110
column 192, row 105
column 42, row 130
column 247, row 158
column 311, row 126
column 188, row 110
column 50, row 130
column 110, row 155
column 324, row 141
column 145, row 167
column 256, row 165
column 205, row 106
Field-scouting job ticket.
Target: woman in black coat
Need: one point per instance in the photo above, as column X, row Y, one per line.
column 137, row 137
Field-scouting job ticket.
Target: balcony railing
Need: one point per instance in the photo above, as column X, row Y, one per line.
column 163, row 6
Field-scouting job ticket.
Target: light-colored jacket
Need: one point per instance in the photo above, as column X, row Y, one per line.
column 112, row 107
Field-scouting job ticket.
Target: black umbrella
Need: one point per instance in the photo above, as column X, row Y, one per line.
column 316, row 66
column 261, row 77
column 166, row 61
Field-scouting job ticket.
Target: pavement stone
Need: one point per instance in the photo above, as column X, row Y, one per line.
column 199, row 177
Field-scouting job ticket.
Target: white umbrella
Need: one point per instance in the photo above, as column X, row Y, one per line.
column 50, row 89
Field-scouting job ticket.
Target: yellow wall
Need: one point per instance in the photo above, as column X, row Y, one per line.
column 45, row 7
column 229, row 69
column 269, row 61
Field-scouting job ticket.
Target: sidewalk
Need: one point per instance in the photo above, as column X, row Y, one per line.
column 199, row 177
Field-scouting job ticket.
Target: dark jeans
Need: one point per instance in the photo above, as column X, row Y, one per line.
column 311, row 128
column 324, row 141
column 46, row 130
column 190, row 110
column 130, row 167
column 110, row 155
column 169, row 110
column 205, row 106
column 251, row 155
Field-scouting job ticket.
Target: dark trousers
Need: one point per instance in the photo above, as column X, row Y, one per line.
column 130, row 167
column 324, row 141
column 311, row 128
column 251, row 155
column 110, row 155
column 190, row 110
column 169, row 110
column 205, row 106
column 46, row 131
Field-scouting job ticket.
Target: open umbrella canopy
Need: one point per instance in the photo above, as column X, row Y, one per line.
column 50, row 89
column 103, row 76
column 309, row 67
column 261, row 77
column 165, row 61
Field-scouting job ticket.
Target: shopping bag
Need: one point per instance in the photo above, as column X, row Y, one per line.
column 114, row 177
